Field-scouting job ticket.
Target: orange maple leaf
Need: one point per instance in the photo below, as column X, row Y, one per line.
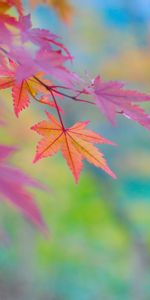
column 6, row 5
column 75, row 143
column 22, row 91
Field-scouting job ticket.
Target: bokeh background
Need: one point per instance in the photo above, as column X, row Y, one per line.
column 99, row 245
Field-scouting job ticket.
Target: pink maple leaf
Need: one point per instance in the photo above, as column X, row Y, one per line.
column 40, row 37
column 13, row 188
column 50, row 62
column 24, row 65
column 112, row 98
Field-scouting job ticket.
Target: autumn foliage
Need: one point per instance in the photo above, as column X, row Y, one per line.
column 34, row 67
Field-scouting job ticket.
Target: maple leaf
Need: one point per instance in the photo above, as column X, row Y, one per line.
column 112, row 98
column 6, row 21
column 22, row 90
column 51, row 62
column 40, row 37
column 26, row 78
column 13, row 183
column 75, row 143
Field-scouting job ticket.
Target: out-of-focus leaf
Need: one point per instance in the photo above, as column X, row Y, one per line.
column 13, row 183
column 63, row 8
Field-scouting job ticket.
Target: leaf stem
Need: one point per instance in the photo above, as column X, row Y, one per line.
column 52, row 94
column 58, row 111
column 72, row 97
column 50, row 88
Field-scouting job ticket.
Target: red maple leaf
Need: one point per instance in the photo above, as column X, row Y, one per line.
column 21, row 89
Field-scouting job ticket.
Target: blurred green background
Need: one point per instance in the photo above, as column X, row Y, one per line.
column 99, row 245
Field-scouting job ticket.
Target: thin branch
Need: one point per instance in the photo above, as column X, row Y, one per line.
column 50, row 88
column 58, row 111
column 72, row 97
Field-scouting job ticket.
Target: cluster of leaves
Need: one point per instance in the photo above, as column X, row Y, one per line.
column 33, row 67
